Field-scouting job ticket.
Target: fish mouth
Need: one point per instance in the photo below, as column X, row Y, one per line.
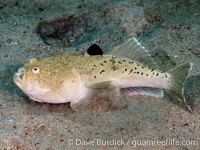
column 21, row 73
column 19, row 79
column 18, row 76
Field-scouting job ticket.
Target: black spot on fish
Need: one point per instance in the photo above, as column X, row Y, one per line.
column 142, row 73
column 153, row 73
column 142, row 67
column 152, row 70
column 101, row 64
column 165, row 75
column 138, row 72
column 147, row 74
column 119, row 62
column 131, row 71
column 94, row 65
column 138, row 64
column 157, row 74
column 95, row 77
column 135, row 68
column 125, row 69
column 94, row 50
column 124, row 60
column 110, row 60
column 104, row 61
column 102, row 71
column 122, row 71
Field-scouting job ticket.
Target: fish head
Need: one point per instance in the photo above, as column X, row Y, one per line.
column 30, row 79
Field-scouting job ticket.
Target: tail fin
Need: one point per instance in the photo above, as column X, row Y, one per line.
column 178, row 78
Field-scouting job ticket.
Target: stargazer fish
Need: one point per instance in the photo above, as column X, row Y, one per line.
column 70, row 77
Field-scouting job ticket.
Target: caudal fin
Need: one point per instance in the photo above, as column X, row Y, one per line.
column 178, row 78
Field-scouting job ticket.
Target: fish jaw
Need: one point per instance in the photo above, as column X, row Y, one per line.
column 26, row 86
column 18, row 77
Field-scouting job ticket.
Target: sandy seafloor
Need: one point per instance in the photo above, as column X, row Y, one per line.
column 169, row 29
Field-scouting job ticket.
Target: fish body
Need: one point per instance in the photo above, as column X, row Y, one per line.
column 70, row 77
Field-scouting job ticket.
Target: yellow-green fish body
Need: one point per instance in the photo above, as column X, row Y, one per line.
column 69, row 76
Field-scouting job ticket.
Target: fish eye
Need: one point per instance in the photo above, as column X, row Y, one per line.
column 36, row 70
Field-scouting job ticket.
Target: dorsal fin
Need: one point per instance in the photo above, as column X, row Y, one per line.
column 94, row 49
column 133, row 50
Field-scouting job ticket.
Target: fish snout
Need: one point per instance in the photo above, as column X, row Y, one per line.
column 19, row 80
column 21, row 73
column 18, row 76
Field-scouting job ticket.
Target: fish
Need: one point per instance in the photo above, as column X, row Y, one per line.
column 72, row 76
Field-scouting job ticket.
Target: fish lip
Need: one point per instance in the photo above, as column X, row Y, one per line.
column 19, row 80
column 20, row 73
column 18, row 76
